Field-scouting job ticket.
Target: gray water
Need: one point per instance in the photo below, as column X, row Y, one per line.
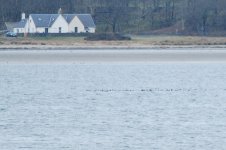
column 113, row 107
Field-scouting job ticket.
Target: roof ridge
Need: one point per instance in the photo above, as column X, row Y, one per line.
column 63, row 14
column 50, row 19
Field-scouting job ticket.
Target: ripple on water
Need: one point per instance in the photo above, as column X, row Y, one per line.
column 153, row 106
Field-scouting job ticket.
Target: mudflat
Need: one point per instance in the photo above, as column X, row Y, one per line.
column 109, row 55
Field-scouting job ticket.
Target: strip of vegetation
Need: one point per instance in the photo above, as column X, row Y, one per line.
column 107, row 37
column 54, row 35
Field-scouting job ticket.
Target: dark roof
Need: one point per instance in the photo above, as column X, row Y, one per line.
column 69, row 17
column 21, row 24
column 10, row 25
column 86, row 20
column 44, row 20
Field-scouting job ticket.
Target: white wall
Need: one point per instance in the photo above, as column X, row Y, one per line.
column 81, row 29
column 40, row 30
column 21, row 30
column 18, row 30
column 92, row 30
column 76, row 23
column 31, row 25
column 26, row 27
column 60, row 22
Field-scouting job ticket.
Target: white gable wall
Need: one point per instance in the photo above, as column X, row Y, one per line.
column 26, row 27
column 76, row 23
column 59, row 22
column 31, row 25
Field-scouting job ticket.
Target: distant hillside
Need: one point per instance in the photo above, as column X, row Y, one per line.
column 131, row 16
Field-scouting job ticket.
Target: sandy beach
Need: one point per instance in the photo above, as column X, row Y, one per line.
column 111, row 56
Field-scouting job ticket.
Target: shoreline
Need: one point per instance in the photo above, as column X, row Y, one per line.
column 110, row 47
column 101, row 56
column 137, row 42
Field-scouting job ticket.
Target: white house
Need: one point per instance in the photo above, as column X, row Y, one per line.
column 55, row 23
column 60, row 25
column 47, row 23
column 18, row 27
column 80, row 23
column 21, row 27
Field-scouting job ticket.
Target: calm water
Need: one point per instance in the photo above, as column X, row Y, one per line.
column 113, row 107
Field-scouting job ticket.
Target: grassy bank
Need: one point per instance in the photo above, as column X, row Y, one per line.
column 136, row 41
column 180, row 40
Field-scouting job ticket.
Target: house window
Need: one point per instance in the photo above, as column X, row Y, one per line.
column 18, row 30
column 60, row 29
column 76, row 29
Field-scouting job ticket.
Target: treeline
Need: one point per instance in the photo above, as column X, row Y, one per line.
column 131, row 16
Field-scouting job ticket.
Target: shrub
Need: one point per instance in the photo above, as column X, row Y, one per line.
column 106, row 37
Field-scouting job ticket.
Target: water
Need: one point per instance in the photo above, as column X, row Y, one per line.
column 113, row 107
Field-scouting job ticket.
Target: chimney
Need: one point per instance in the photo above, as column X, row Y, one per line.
column 60, row 11
column 23, row 16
